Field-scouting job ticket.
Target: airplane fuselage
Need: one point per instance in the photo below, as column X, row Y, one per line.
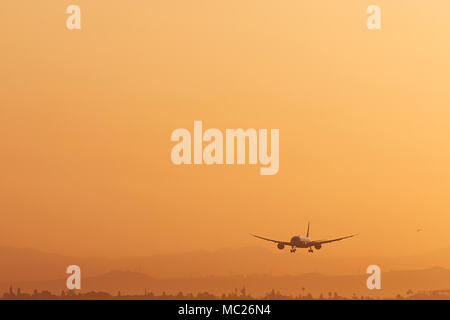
column 300, row 242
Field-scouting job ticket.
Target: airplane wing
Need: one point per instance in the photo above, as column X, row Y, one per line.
column 332, row 240
column 276, row 241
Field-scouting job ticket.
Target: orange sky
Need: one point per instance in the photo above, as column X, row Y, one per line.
column 86, row 118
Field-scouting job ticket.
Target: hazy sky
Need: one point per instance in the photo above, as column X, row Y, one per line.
column 86, row 118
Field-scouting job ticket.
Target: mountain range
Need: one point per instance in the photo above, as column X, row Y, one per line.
column 24, row 264
column 257, row 269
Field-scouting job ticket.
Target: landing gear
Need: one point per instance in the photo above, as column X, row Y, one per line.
column 310, row 250
column 293, row 249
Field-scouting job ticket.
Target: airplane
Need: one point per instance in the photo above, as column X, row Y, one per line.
column 302, row 242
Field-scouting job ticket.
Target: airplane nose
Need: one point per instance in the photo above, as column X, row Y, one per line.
column 295, row 240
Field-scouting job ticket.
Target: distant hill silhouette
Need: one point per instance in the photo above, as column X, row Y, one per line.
column 19, row 264
column 35, row 265
column 127, row 282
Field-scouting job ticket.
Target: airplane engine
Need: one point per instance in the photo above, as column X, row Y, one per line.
column 280, row 246
column 318, row 246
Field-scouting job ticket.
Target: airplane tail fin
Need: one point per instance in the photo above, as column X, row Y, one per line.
column 307, row 231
